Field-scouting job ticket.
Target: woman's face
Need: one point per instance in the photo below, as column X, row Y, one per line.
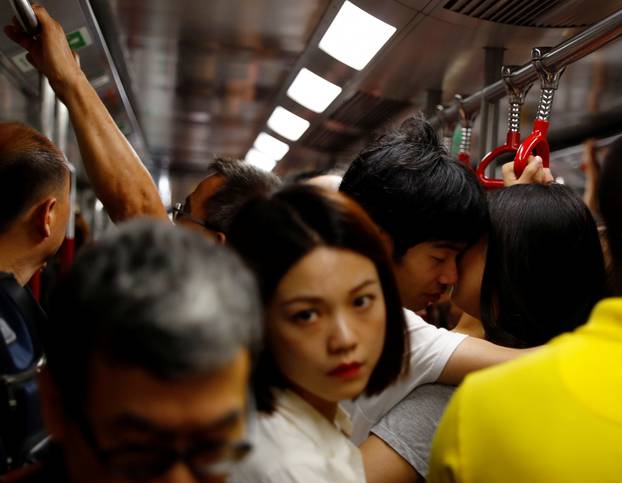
column 326, row 324
column 466, row 293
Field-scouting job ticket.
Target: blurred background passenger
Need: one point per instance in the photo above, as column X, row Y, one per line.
column 34, row 211
column 228, row 184
column 553, row 415
column 537, row 274
column 149, row 349
column 334, row 329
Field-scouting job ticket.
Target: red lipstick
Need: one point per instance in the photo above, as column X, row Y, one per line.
column 346, row 371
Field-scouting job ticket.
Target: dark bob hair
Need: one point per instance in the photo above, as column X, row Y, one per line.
column 273, row 233
column 544, row 265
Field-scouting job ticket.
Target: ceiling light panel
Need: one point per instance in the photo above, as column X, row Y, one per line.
column 287, row 124
column 271, row 146
column 355, row 36
column 312, row 91
column 260, row 160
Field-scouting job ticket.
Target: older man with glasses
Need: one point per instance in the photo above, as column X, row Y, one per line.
column 149, row 350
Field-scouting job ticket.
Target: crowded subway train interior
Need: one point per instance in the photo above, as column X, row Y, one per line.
column 310, row 241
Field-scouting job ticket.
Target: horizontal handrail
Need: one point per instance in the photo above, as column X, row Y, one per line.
column 569, row 51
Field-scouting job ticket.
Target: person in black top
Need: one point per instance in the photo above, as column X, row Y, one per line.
column 34, row 211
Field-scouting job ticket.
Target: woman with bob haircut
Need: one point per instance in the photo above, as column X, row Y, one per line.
column 334, row 329
column 540, row 270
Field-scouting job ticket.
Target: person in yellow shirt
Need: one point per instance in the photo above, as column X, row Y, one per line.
column 555, row 415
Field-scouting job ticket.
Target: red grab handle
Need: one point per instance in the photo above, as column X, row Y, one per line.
column 512, row 142
column 492, row 183
column 464, row 158
column 536, row 143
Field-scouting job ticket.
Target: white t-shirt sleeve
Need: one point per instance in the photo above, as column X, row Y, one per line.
column 430, row 349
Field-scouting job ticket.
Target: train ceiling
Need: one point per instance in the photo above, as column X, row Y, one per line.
column 204, row 77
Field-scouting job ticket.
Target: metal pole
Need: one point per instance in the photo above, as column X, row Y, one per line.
column 569, row 51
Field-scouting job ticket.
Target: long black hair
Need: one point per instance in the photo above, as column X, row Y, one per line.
column 544, row 265
column 273, row 233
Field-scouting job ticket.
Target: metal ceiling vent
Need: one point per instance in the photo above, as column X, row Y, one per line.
column 525, row 13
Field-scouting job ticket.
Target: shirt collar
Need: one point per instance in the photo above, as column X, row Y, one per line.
column 308, row 419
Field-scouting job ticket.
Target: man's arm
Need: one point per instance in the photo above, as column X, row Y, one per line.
column 384, row 465
column 116, row 173
column 473, row 354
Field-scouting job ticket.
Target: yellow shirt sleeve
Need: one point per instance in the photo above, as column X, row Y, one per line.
column 445, row 464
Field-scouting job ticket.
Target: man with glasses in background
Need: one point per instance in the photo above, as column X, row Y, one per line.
column 228, row 184
column 149, row 350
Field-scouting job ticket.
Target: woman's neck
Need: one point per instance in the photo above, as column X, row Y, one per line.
column 325, row 408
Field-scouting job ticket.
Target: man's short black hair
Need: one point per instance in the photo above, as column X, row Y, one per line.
column 31, row 167
column 154, row 296
column 415, row 191
column 242, row 181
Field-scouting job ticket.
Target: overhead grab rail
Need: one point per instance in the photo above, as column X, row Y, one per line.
column 26, row 16
column 569, row 51
column 516, row 97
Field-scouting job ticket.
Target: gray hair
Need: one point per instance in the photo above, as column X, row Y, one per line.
column 243, row 181
column 155, row 296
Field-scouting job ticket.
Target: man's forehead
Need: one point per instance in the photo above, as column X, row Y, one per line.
column 449, row 245
column 207, row 187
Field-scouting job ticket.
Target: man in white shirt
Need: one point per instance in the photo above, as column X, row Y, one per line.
column 429, row 208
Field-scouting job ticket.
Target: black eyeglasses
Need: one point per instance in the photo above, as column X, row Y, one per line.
column 139, row 462
column 179, row 212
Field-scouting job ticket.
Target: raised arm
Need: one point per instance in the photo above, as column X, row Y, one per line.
column 534, row 173
column 115, row 171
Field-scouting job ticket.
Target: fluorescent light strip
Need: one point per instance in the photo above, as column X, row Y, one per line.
column 312, row 91
column 355, row 36
column 260, row 160
column 271, row 146
column 287, row 124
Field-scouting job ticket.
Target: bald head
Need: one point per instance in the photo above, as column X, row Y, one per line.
column 31, row 168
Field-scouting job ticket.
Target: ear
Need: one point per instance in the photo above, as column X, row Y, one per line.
column 220, row 237
column 387, row 241
column 52, row 410
column 44, row 217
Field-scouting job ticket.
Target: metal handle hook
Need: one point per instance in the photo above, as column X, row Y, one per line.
column 516, row 94
column 447, row 128
column 549, row 76
column 465, row 119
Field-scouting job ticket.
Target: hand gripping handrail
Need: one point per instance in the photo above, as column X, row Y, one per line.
column 516, row 97
column 26, row 16
column 466, row 124
column 537, row 142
